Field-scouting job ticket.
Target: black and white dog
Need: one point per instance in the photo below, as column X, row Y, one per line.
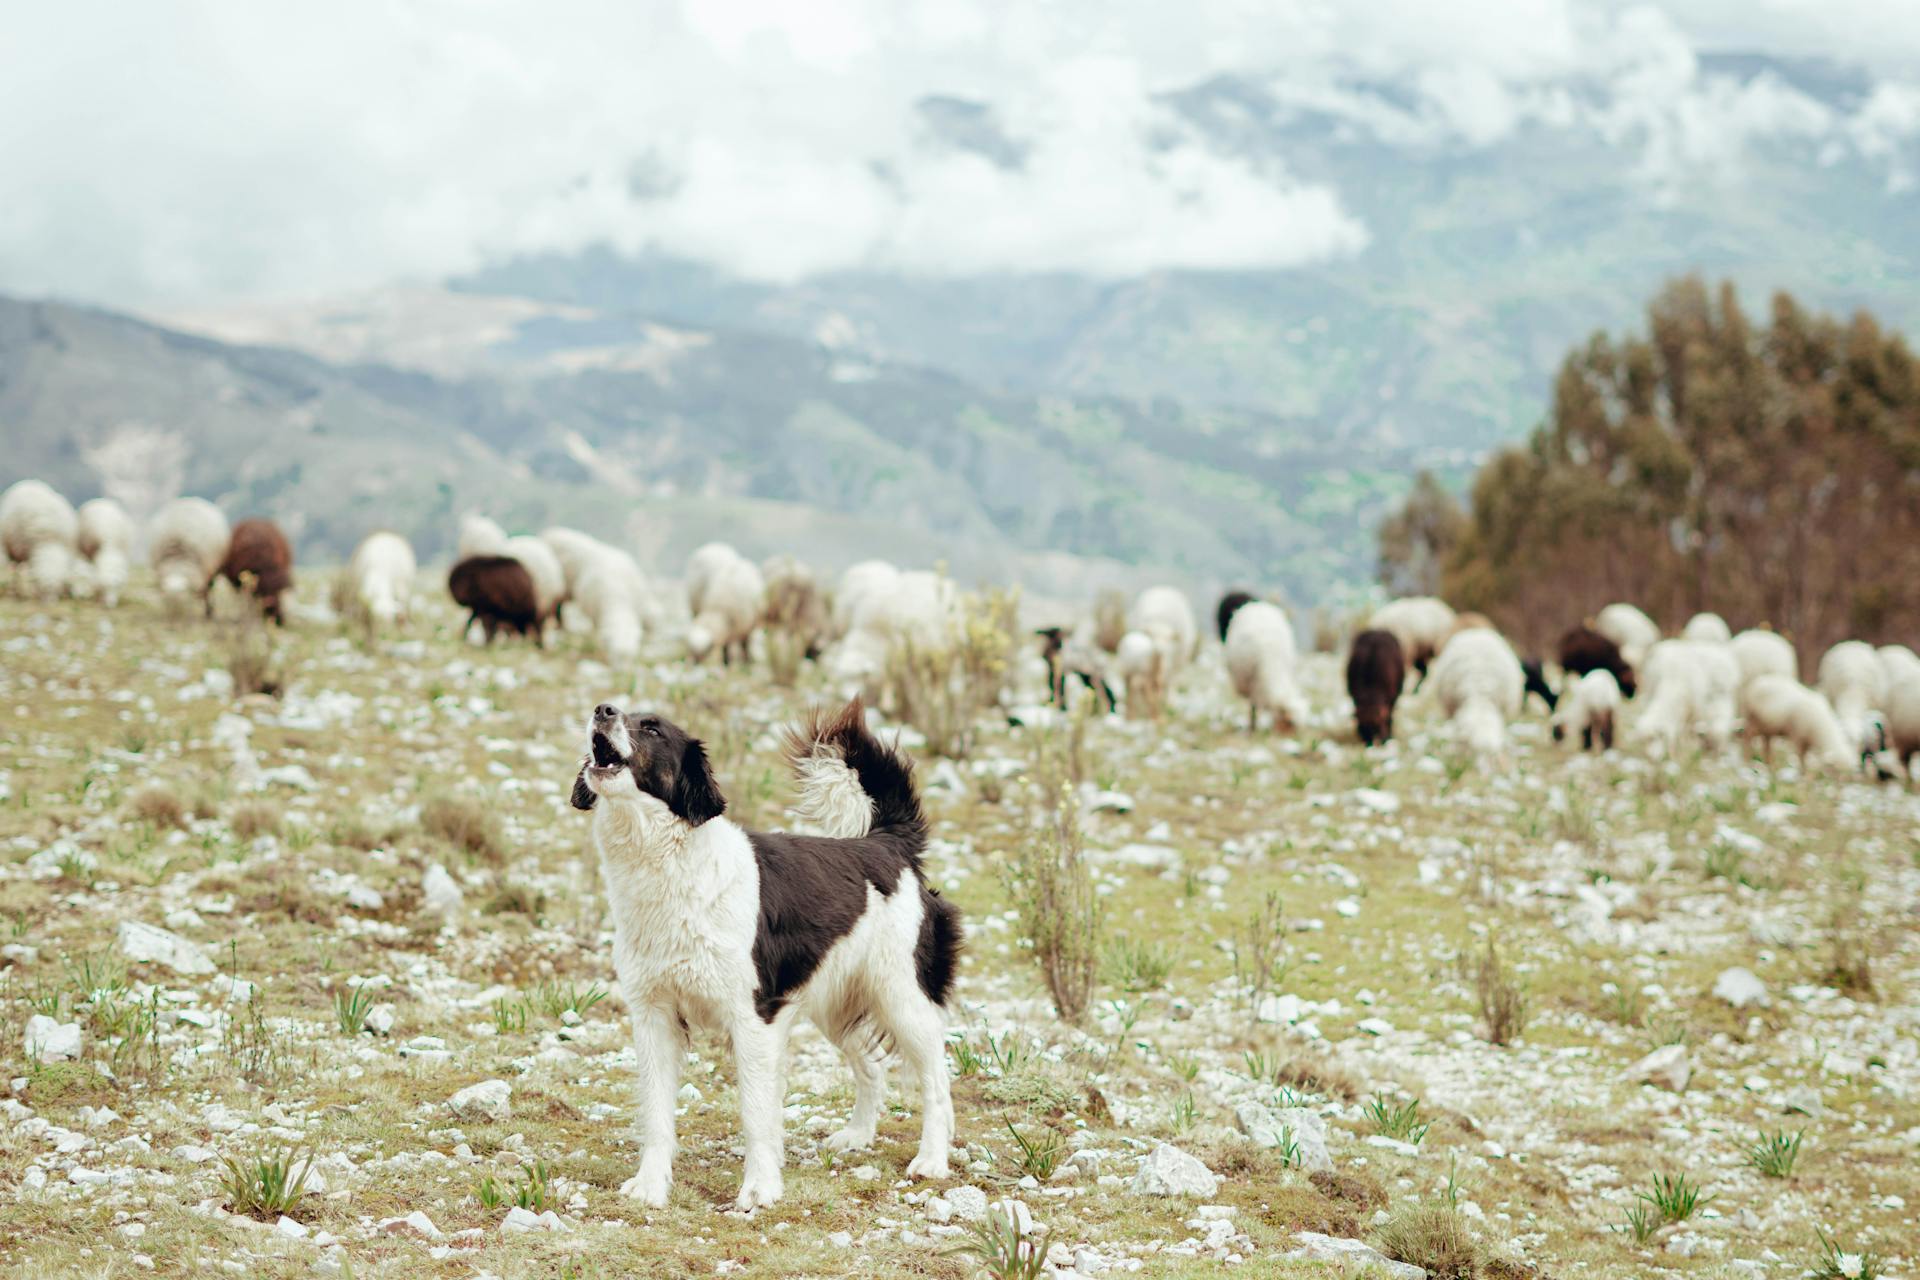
column 743, row 931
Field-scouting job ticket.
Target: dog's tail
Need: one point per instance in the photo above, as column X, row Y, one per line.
column 851, row 783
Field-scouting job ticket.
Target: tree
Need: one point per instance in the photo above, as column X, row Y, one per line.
column 1416, row 540
column 1772, row 476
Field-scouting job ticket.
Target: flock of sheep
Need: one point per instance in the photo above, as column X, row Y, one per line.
column 1703, row 685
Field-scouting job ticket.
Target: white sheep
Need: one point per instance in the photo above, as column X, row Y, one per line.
column 1903, row 719
column 1589, row 710
column 1480, row 686
column 1709, row 628
column 1897, row 663
column 382, row 572
column 480, row 536
column 1631, row 631
column 186, row 543
column 609, row 589
column 1159, row 639
column 1260, row 659
column 1855, row 683
column 1782, row 707
column 1763, row 653
column 1687, row 687
column 40, row 532
column 918, row 609
column 549, row 579
column 728, row 596
column 1422, row 625
column 106, row 540
column 869, row 578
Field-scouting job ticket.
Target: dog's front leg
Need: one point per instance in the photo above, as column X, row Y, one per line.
column 759, row 1059
column 659, row 1047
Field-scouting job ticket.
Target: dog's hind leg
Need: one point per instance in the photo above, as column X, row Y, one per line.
column 659, row 1044
column 920, row 1032
column 759, row 1059
column 868, row 1062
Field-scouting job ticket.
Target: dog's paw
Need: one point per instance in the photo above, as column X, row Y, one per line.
column 848, row 1139
column 649, row 1186
column 929, row 1164
column 758, row 1189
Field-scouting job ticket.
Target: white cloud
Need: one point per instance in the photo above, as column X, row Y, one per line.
column 197, row 152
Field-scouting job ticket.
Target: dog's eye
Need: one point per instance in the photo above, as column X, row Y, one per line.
column 650, row 728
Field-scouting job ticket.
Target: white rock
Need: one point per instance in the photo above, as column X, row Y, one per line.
column 1306, row 1128
column 1016, row 1212
column 938, row 1210
column 415, row 1224
column 969, row 1204
column 519, row 1219
column 51, row 1041
column 380, row 1019
column 1740, row 988
column 1375, row 1026
column 865, row 1173
column 1280, row 1009
column 488, row 1100
column 146, row 943
column 840, row 1239
column 440, row 892
column 290, row 1229
column 1169, row 1171
column 1667, row 1067
column 1377, row 801
column 1353, row 1255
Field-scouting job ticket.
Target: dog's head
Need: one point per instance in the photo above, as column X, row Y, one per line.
column 634, row 754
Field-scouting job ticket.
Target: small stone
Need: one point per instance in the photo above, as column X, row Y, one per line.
column 938, row 1210
column 48, row 1040
column 439, row 891
column 146, row 943
column 416, row 1224
column 1740, row 988
column 690, row 1093
column 864, row 1173
column 969, row 1204
column 1306, row 1129
column 1375, row 1026
column 290, row 1229
column 380, row 1019
column 1666, row 1067
column 840, row 1239
column 1353, row 1255
column 519, row 1219
column 1282, row 1009
column 488, row 1100
column 1169, row 1171
column 1803, row 1100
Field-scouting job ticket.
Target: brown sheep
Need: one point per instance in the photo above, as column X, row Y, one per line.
column 1583, row 649
column 497, row 592
column 1376, row 670
column 259, row 563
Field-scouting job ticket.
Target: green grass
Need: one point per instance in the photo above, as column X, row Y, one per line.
column 266, row 1186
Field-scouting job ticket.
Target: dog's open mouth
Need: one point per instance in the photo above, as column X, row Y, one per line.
column 603, row 753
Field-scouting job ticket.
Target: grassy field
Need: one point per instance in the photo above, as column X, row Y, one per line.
column 1286, row 922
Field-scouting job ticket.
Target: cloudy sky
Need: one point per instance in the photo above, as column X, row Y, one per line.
column 200, row 152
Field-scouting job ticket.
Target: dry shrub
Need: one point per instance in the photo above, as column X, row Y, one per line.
column 1109, row 618
column 1431, row 1236
column 1051, row 885
column 343, row 597
column 1317, row 1074
column 517, row 899
column 462, row 823
column 1502, row 997
column 795, row 620
column 252, row 819
column 158, row 807
column 943, row 691
column 1354, row 1187
column 247, row 652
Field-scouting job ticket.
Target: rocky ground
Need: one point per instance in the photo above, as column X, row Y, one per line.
column 353, row 930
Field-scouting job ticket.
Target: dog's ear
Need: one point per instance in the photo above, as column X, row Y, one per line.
column 696, row 797
column 583, row 796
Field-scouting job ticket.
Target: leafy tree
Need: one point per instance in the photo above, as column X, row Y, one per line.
column 1771, row 475
column 1417, row 539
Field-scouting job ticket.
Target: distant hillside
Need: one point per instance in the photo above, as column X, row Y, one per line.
column 663, row 438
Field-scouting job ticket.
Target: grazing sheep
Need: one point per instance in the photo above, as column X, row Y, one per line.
column 1260, row 659
column 1897, row 662
column 1109, row 619
column 382, row 572
column 106, row 540
column 1160, row 638
column 575, row 551
column 1471, row 620
column 480, row 536
column 917, row 610
column 1480, row 686
column 1631, row 631
column 1536, row 674
column 1589, row 709
column 259, row 563
column 608, row 588
column 549, row 579
column 1421, row 624
column 1853, row 680
column 795, row 604
column 1782, row 707
column 1689, row 687
column 1763, row 653
column 1074, row 654
column 1376, row 670
column 186, row 545
column 728, row 598
column 41, row 532
column 1582, row 649
column 497, row 592
column 869, row 578
column 1229, row 605
column 1903, row 720
column 1710, row 628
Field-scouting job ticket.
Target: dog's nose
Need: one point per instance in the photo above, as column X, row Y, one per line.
column 605, row 711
